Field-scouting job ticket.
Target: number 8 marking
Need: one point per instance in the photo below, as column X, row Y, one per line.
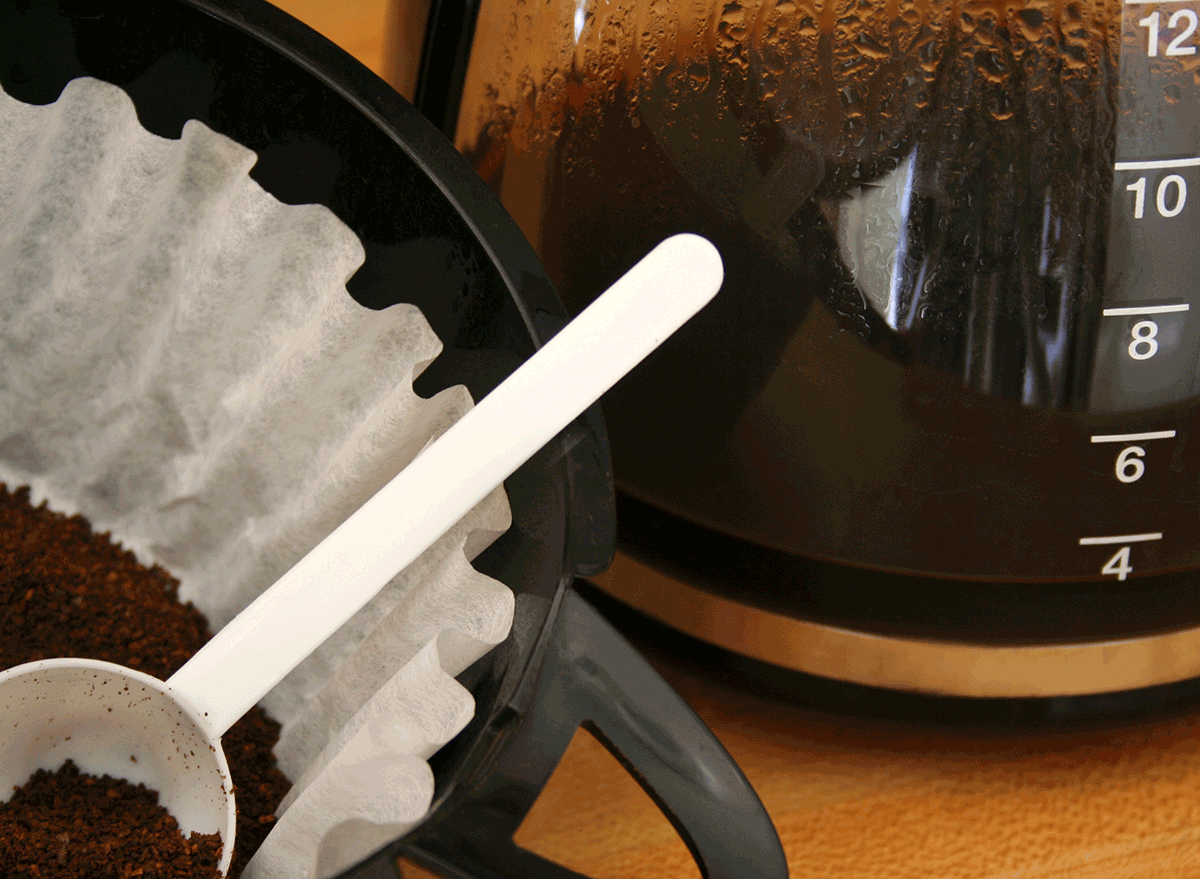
column 1144, row 344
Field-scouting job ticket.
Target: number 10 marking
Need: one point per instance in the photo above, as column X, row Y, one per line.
column 1171, row 187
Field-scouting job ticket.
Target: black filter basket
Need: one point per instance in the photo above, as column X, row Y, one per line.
column 328, row 131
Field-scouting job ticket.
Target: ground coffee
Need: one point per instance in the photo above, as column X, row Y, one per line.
column 67, row 591
column 65, row 823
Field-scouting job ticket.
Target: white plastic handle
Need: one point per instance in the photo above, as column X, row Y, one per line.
column 337, row 577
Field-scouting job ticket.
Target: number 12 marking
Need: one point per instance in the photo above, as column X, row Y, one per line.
column 1186, row 17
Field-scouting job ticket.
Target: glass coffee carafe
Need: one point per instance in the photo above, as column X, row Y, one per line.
column 955, row 352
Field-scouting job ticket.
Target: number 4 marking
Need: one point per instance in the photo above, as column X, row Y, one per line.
column 1118, row 565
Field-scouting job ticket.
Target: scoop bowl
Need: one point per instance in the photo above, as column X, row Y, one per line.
column 111, row 720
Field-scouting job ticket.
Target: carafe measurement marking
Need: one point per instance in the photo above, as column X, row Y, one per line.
column 1132, row 437
column 1146, row 309
column 1143, row 335
column 1120, row 538
column 1148, row 352
column 1155, row 164
column 1118, row 566
column 1181, row 26
column 1130, row 466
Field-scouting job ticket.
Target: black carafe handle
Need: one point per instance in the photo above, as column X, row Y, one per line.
column 590, row 675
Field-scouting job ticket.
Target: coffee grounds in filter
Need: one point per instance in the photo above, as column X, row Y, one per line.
column 66, row 591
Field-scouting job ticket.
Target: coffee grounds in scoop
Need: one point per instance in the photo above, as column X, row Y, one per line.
column 69, row 825
column 66, row 591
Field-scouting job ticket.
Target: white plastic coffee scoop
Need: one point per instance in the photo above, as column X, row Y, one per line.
column 112, row 720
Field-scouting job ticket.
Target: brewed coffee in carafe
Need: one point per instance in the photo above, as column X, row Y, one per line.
column 923, row 209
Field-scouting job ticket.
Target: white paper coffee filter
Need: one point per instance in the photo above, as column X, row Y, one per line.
column 182, row 365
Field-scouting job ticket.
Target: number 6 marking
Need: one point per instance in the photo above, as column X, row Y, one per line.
column 1129, row 464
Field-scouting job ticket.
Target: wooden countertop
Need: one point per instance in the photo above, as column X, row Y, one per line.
column 861, row 784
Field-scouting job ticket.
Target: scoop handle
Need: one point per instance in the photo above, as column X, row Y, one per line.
column 344, row 571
